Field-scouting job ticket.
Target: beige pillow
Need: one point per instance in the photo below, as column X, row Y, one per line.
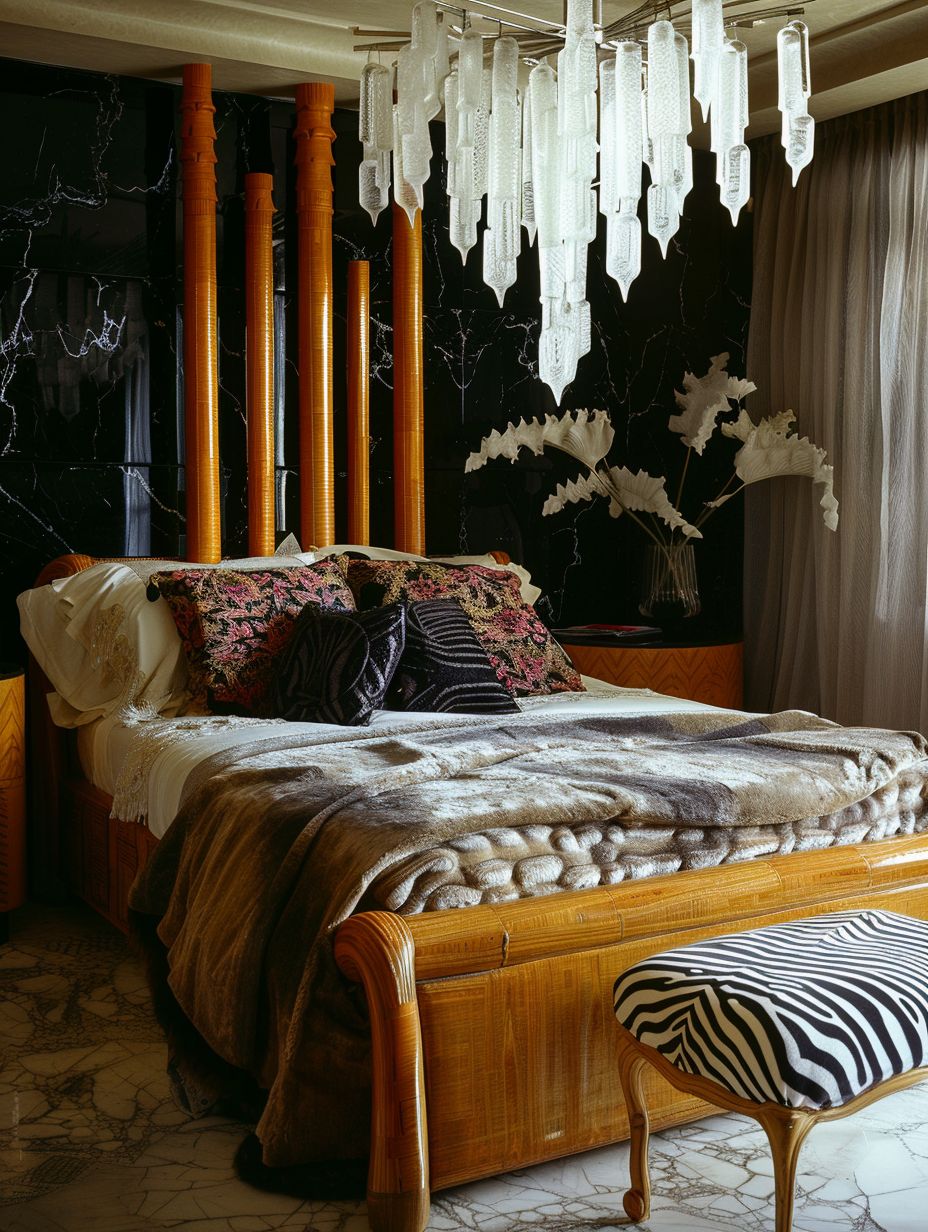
column 104, row 646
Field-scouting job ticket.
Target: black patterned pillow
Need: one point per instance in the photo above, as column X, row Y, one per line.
column 444, row 666
column 338, row 665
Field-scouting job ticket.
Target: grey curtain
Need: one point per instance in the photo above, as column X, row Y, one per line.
column 836, row 622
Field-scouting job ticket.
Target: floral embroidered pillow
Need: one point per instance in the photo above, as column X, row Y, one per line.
column 234, row 625
column 525, row 656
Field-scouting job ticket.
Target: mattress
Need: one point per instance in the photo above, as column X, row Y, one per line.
column 105, row 745
column 499, row 863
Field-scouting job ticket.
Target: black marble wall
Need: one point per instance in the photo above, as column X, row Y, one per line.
column 91, row 398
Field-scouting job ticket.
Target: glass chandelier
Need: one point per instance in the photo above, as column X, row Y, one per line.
column 533, row 154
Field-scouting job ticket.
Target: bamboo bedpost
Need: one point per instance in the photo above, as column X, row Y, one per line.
column 259, row 361
column 201, row 362
column 408, row 445
column 377, row 949
column 359, row 356
column 314, row 135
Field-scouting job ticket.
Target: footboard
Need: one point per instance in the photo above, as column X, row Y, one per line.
column 511, row 1032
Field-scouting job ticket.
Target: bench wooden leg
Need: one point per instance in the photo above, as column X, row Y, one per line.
column 786, row 1130
column 637, row 1200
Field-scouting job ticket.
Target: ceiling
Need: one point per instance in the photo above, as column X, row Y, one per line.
column 863, row 52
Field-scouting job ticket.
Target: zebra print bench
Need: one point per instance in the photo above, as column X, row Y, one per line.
column 793, row 1024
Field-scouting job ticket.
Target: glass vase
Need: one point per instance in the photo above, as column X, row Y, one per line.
column 669, row 591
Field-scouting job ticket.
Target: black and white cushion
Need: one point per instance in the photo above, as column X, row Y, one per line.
column 444, row 666
column 807, row 1014
column 338, row 665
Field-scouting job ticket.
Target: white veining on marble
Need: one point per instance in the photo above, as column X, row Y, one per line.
column 91, row 1142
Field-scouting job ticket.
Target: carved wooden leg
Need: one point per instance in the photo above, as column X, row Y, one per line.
column 377, row 949
column 637, row 1201
column 786, row 1131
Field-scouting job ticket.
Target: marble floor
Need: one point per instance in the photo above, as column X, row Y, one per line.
column 90, row 1140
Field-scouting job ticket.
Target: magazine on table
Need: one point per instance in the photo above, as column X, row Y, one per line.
column 622, row 635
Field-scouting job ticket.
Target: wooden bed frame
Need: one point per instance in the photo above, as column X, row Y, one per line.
column 493, row 1037
column 493, row 1033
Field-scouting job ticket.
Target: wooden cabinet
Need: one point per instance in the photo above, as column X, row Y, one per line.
column 12, row 793
column 712, row 674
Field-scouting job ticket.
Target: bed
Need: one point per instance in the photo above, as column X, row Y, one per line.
column 491, row 1024
column 492, row 1040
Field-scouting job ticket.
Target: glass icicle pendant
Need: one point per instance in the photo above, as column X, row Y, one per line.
column 732, row 155
column 559, row 345
column 465, row 96
column 463, row 213
column 623, row 229
column 681, row 145
column 375, row 129
column 425, row 36
column 607, row 138
column 663, row 215
column 628, row 109
column 403, row 192
column 794, row 91
column 482, row 138
column 502, row 239
column 528, row 179
column 668, row 123
column 470, row 72
column 412, row 116
column 545, row 157
column 708, row 37
column 623, row 247
column 442, row 54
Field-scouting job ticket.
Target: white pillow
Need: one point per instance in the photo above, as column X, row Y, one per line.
column 528, row 592
column 104, row 646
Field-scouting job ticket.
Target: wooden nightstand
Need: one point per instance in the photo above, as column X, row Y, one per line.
column 712, row 674
column 12, row 792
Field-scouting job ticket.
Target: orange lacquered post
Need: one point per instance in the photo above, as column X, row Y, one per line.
column 314, row 135
column 408, row 445
column 12, row 789
column 359, row 358
column 201, row 363
column 259, row 360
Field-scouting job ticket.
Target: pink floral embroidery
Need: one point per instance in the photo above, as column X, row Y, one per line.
column 234, row 624
column 526, row 657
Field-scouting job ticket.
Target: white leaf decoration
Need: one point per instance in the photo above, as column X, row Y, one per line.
column 573, row 491
column 770, row 450
column 705, row 399
column 642, row 492
column 739, row 388
column 588, row 438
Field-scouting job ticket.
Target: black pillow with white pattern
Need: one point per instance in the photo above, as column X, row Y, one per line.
column 338, row 665
column 444, row 666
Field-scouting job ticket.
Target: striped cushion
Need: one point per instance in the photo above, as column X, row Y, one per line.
column 444, row 667
column 338, row 665
column 807, row 1014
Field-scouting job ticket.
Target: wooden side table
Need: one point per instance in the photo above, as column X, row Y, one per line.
column 712, row 674
column 12, row 792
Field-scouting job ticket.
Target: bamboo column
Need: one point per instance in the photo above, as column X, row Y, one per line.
column 408, row 450
column 259, row 361
column 201, row 362
column 359, row 439
column 314, row 135
column 12, row 792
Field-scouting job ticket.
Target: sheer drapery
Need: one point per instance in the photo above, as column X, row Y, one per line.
column 836, row 623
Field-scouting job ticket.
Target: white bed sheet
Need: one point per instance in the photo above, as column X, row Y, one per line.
column 103, row 745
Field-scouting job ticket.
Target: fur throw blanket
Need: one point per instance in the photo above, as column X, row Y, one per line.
column 281, row 840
